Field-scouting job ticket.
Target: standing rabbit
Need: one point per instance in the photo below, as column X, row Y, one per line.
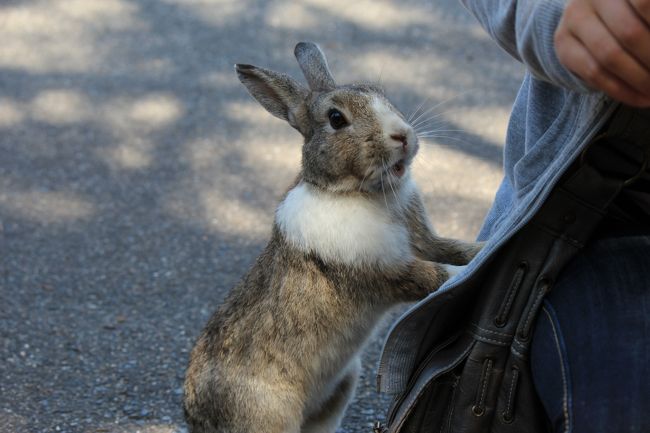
column 350, row 240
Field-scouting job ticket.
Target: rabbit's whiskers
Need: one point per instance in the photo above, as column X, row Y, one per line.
column 433, row 120
column 430, row 109
column 416, row 120
column 388, row 176
column 383, row 190
column 432, row 117
column 446, row 137
column 364, row 179
column 432, row 131
column 429, row 121
column 414, row 113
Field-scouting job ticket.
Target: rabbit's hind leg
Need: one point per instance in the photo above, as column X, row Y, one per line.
column 267, row 409
column 257, row 418
column 328, row 418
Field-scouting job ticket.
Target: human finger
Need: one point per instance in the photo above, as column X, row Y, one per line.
column 607, row 51
column 575, row 57
column 642, row 8
column 628, row 26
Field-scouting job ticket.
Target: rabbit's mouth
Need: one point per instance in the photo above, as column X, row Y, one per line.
column 399, row 168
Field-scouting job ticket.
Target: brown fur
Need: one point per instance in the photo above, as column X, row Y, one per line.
column 281, row 355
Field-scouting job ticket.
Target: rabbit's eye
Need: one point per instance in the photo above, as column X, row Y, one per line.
column 337, row 120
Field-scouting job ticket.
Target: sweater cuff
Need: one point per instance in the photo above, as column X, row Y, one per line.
column 538, row 49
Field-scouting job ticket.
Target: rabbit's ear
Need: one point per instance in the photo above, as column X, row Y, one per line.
column 314, row 65
column 280, row 94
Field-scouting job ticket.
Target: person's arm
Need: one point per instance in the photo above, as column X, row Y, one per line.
column 576, row 44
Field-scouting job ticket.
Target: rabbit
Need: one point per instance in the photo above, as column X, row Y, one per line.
column 350, row 239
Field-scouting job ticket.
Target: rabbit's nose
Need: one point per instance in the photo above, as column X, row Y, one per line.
column 401, row 138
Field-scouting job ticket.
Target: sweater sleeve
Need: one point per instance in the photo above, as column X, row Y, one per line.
column 525, row 29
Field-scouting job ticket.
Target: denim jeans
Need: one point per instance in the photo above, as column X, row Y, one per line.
column 590, row 353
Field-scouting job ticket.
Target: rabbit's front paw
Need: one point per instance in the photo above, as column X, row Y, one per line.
column 454, row 270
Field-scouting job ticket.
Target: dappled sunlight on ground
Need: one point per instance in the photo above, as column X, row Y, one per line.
column 48, row 207
column 139, row 179
column 373, row 15
column 394, row 68
column 61, row 35
column 457, row 206
column 232, row 214
column 280, row 155
column 153, row 111
column 220, row 183
column 131, row 153
column 11, row 113
column 140, row 114
column 489, row 121
column 249, row 113
column 219, row 79
column 60, row 107
column 66, row 106
column 74, row 37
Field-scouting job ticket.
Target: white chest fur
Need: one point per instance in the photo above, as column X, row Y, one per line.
column 353, row 230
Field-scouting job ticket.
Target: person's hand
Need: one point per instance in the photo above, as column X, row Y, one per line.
column 607, row 44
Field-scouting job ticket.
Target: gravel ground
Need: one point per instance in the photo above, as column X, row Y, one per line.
column 138, row 179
